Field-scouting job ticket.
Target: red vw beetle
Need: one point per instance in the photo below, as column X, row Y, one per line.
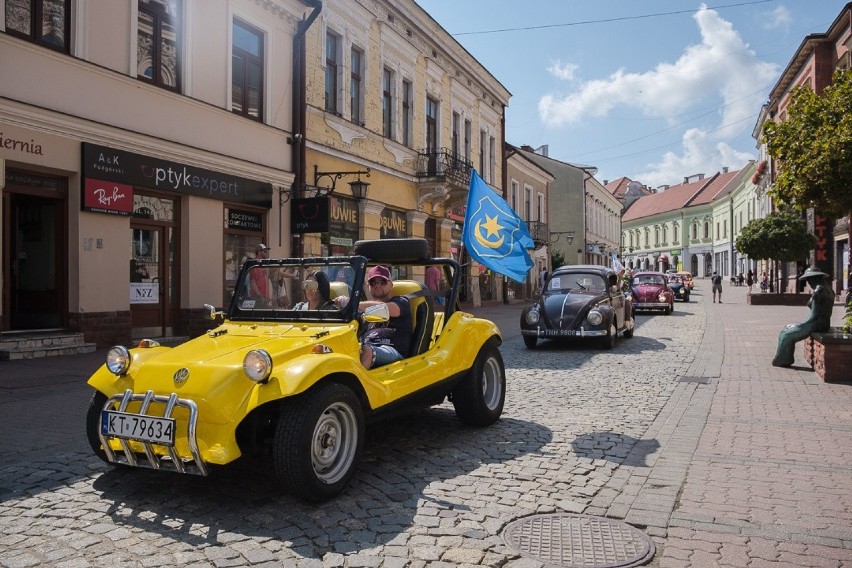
column 650, row 291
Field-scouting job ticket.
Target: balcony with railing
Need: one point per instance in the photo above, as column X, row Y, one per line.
column 442, row 176
column 540, row 233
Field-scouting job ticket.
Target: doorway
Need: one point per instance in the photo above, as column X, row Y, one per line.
column 154, row 301
column 33, row 259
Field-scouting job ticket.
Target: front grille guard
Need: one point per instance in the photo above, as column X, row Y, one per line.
column 173, row 461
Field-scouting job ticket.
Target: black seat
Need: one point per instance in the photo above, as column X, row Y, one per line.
column 422, row 313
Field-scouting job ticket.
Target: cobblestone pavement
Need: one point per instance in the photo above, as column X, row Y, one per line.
column 750, row 468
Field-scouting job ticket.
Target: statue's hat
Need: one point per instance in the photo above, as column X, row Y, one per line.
column 812, row 272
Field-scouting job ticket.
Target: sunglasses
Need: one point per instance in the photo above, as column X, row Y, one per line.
column 377, row 282
column 310, row 285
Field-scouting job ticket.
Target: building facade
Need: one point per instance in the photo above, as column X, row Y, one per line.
column 143, row 144
column 390, row 94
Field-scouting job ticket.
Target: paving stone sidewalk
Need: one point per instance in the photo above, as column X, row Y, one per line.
column 754, row 466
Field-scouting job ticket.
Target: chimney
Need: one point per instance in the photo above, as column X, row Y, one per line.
column 527, row 148
column 724, row 169
column 685, row 180
column 606, row 182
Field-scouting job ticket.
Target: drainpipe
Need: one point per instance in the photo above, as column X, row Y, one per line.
column 297, row 141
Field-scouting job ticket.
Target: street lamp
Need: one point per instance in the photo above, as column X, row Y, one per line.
column 569, row 236
column 359, row 188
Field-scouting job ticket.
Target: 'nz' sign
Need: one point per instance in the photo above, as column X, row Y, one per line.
column 144, row 293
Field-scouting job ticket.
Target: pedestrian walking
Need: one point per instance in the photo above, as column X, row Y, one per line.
column 749, row 280
column 716, row 283
column 764, row 282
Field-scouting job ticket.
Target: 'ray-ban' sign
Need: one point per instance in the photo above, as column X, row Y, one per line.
column 107, row 197
column 309, row 215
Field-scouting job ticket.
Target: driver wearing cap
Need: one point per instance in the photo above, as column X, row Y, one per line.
column 391, row 342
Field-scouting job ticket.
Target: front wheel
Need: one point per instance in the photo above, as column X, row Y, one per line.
column 479, row 397
column 629, row 326
column 611, row 336
column 530, row 341
column 93, row 424
column 318, row 442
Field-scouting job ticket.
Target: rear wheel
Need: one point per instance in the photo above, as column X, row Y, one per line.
column 479, row 397
column 318, row 442
column 530, row 341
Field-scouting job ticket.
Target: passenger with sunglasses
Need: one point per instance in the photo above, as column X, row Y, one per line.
column 392, row 341
column 317, row 293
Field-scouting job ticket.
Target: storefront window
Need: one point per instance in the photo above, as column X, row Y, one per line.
column 243, row 232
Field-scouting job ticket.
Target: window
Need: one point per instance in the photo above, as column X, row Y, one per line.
column 665, row 234
column 355, row 90
column 387, row 103
column 527, row 203
column 482, row 148
column 492, row 159
column 45, row 22
column 431, row 125
column 656, row 236
column 541, row 216
column 706, row 229
column 514, row 196
column 332, row 59
column 456, row 120
column 468, row 134
column 407, row 108
column 247, row 71
column 157, row 55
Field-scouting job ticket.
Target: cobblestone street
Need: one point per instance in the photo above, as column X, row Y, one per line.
column 613, row 433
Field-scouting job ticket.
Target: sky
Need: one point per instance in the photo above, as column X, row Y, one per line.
column 654, row 90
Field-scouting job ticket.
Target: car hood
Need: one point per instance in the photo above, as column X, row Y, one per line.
column 642, row 291
column 213, row 362
column 563, row 310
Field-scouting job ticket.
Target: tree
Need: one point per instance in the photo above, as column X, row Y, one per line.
column 557, row 259
column 813, row 149
column 778, row 236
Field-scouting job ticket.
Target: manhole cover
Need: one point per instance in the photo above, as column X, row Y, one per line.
column 579, row 541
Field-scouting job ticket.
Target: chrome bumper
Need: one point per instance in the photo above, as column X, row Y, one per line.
column 555, row 333
column 173, row 461
column 650, row 305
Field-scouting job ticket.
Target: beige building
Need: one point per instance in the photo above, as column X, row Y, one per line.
column 528, row 191
column 392, row 100
column 143, row 143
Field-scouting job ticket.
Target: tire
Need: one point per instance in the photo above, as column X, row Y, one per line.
column 628, row 331
column 530, row 341
column 318, row 442
column 479, row 397
column 667, row 310
column 611, row 337
column 93, row 425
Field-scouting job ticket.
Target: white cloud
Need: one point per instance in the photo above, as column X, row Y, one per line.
column 560, row 71
column 721, row 68
column 780, row 17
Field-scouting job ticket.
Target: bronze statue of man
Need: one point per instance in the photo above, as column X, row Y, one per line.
column 821, row 304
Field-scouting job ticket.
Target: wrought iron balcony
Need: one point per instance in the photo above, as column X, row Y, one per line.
column 539, row 232
column 443, row 163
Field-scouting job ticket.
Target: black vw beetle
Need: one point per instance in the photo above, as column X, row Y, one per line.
column 579, row 302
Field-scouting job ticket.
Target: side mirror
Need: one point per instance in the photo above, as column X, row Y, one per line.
column 211, row 312
column 377, row 314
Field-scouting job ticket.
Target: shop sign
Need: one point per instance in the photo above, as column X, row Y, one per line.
column 675, row 252
column 144, row 293
column 108, row 164
column 107, row 197
column 393, row 225
column 344, row 213
column 309, row 215
column 340, row 241
column 245, row 220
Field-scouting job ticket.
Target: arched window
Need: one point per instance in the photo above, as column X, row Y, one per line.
column 706, row 229
column 675, row 233
column 656, row 236
column 665, row 234
column 694, row 231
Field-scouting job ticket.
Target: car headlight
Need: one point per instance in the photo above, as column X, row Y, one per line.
column 533, row 316
column 594, row 317
column 118, row 360
column 662, row 297
column 257, row 365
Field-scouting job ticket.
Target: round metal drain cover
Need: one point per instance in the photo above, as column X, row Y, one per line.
column 579, row 541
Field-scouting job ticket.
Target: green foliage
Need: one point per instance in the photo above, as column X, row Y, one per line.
column 847, row 319
column 778, row 236
column 813, row 149
column 557, row 259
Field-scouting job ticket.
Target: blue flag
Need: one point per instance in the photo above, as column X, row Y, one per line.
column 493, row 234
column 615, row 263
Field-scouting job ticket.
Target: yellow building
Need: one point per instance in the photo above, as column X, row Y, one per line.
column 392, row 100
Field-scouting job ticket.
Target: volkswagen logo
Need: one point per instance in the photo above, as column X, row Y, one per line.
column 180, row 376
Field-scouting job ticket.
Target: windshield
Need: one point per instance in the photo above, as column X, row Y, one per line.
column 296, row 289
column 565, row 282
column 649, row 279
